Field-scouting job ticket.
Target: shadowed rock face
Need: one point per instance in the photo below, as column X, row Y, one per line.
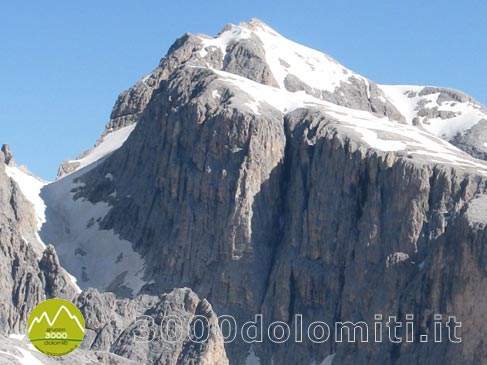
column 7, row 155
column 473, row 140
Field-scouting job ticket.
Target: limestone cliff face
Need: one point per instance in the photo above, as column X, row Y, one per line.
column 283, row 214
column 369, row 233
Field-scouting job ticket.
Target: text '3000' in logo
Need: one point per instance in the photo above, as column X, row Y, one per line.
column 56, row 327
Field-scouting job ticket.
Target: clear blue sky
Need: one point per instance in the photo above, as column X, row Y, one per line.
column 63, row 63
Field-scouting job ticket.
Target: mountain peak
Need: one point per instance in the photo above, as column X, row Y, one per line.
column 256, row 52
column 257, row 22
column 287, row 60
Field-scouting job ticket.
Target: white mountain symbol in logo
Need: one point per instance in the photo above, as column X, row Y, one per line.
column 45, row 316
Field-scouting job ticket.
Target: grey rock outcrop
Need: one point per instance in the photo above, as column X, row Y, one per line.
column 129, row 332
column 113, row 326
column 247, row 58
column 26, row 278
column 8, row 157
column 473, row 140
column 67, row 167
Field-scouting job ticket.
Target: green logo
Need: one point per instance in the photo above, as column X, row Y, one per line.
column 56, row 327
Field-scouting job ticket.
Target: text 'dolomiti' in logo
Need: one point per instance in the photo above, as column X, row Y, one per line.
column 56, row 327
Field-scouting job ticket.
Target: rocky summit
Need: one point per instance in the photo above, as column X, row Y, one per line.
column 250, row 175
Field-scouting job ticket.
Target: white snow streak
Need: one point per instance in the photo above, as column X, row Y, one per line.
column 378, row 133
column 31, row 187
column 109, row 143
column 26, row 357
column 252, row 358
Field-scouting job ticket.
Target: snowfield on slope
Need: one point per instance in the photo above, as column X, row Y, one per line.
column 97, row 258
column 25, row 358
column 378, row 133
column 112, row 141
column 285, row 57
column 443, row 118
column 30, row 186
column 409, row 102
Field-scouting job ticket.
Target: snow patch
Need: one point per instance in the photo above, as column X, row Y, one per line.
column 109, row 143
column 97, row 258
column 327, row 361
column 16, row 336
column 31, row 187
column 398, row 96
column 26, row 357
column 74, row 281
column 314, row 68
column 396, row 258
column 260, row 95
column 372, row 139
column 39, row 239
column 216, row 94
column 252, row 358
column 32, row 348
column 145, row 78
column 235, row 33
column 367, row 87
